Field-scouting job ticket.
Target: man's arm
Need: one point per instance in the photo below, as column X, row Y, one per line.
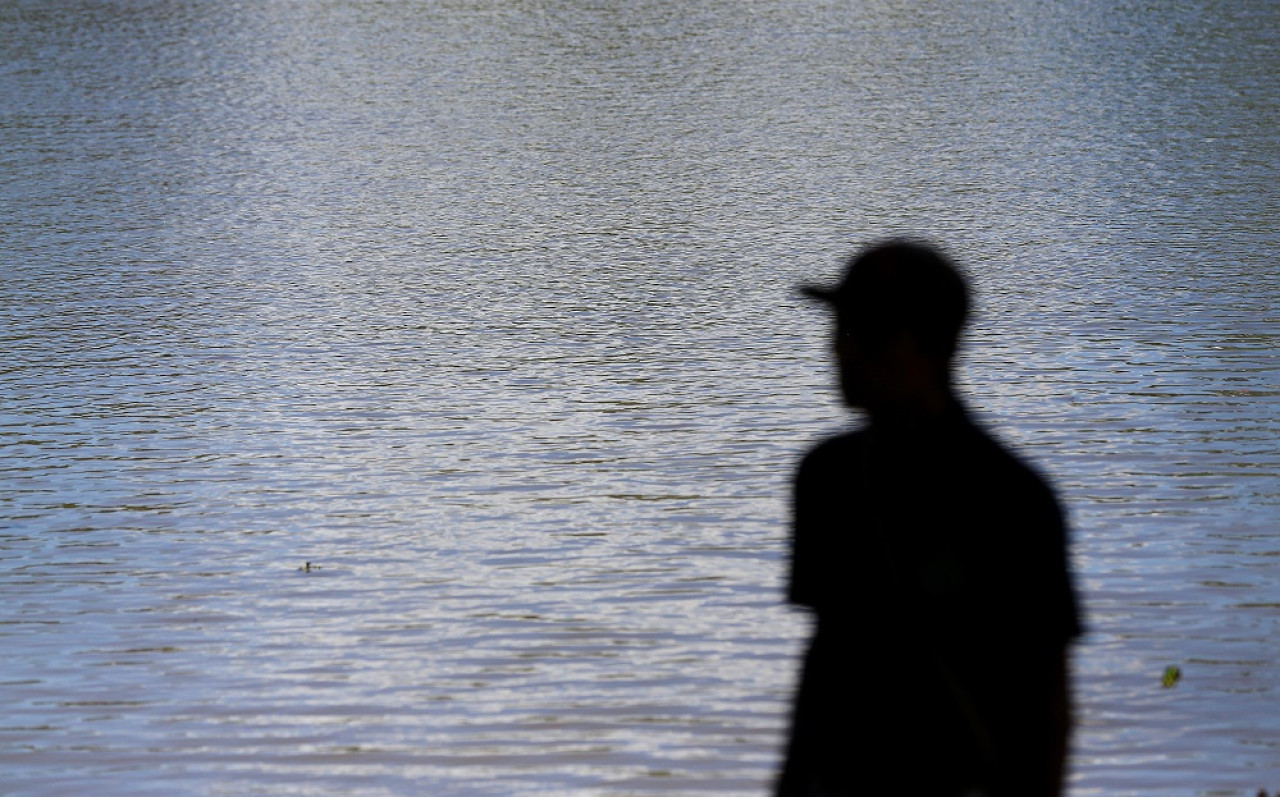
column 802, row 582
column 1060, row 728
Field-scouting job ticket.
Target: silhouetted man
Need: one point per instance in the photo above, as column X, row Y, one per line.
column 935, row 562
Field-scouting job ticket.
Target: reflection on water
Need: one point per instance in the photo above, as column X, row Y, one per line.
column 485, row 310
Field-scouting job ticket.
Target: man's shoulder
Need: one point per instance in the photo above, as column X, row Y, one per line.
column 989, row 455
column 985, row 475
column 837, row 449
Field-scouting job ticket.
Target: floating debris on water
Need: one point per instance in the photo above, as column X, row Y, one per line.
column 308, row 567
column 1171, row 676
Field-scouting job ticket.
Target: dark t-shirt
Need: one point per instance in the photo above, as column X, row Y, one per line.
column 936, row 564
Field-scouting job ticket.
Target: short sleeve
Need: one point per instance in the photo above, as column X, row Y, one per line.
column 803, row 581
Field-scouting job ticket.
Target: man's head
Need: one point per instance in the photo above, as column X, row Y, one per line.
column 900, row 309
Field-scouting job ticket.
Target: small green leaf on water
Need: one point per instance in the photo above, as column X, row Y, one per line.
column 1171, row 676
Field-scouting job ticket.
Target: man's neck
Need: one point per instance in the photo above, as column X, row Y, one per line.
column 916, row 411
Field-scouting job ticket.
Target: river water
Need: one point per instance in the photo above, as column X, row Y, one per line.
column 484, row 310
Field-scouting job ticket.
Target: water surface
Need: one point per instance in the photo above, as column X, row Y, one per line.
column 485, row 310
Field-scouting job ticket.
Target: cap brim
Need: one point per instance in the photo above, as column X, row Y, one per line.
column 819, row 293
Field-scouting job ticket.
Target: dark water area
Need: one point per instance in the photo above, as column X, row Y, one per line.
column 485, row 310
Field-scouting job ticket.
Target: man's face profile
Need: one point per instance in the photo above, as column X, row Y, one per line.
column 884, row 370
column 862, row 369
